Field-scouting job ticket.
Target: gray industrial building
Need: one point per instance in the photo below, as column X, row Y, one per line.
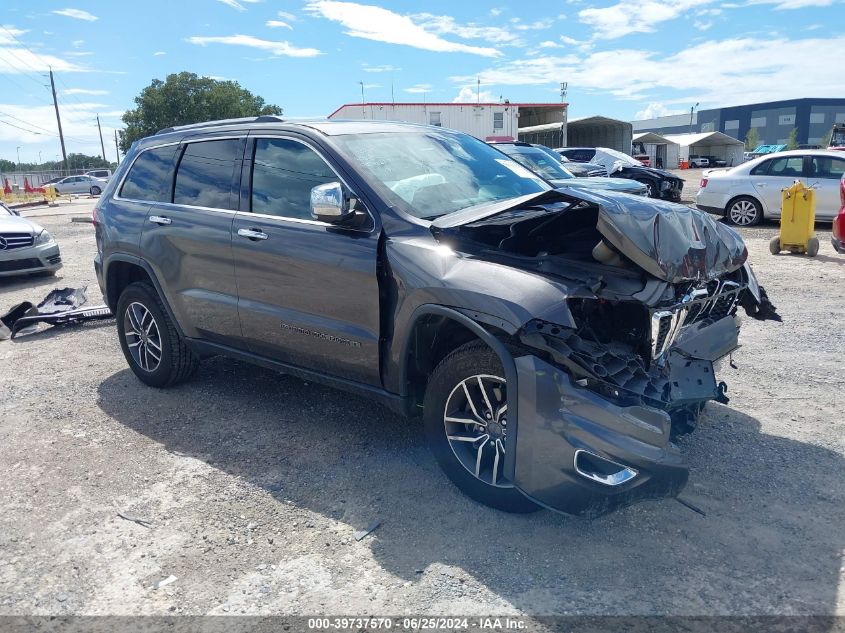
column 813, row 119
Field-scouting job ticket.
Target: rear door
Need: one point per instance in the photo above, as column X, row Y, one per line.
column 771, row 177
column 308, row 293
column 824, row 175
column 188, row 241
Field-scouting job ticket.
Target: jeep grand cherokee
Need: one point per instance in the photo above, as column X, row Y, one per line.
column 553, row 341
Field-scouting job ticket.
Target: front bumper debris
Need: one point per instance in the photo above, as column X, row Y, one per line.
column 60, row 307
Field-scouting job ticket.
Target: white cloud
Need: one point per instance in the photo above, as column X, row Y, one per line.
column 634, row 16
column 159, row 54
column 549, row 44
column 468, row 94
column 284, row 15
column 22, row 60
column 77, row 43
column 237, row 5
column 384, row 68
column 702, row 25
column 277, row 24
column 782, row 5
column 654, row 110
column 374, row 23
column 277, row 48
column 419, row 89
column 446, row 25
column 759, row 70
column 8, row 33
column 77, row 14
column 536, row 25
column 495, row 12
column 84, row 91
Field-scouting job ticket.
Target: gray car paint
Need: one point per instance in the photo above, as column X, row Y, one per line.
column 375, row 288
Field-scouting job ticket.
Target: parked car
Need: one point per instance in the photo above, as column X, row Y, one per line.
column 103, row 174
column 549, row 167
column 583, row 170
column 752, row 191
column 660, row 184
column 25, row 247
column 838, row 236
column 419, row 266
column 697, row 162
column 716, row 162
column 81, row 184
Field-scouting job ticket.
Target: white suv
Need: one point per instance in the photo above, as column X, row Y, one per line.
column 752, row 191
column 699, row 161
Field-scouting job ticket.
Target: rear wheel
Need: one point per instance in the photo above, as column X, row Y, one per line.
column 96, row 191
column 465, row 418
column 744, row 211
column 152, row 345
column 774, row 245
column 813, row 247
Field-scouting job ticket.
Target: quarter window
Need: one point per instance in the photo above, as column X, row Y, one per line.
column 151, row 176
column 204, row 177
column 283, row 174
column 827, row 167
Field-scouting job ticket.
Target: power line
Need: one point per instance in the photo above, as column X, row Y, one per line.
column 23, row 128
column 12, row 116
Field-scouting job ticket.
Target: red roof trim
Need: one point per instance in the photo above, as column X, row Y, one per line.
column 447, row 103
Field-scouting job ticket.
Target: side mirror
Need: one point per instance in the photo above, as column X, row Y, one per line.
column 329, row 203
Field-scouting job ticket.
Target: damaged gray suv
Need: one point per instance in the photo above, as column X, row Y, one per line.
column 554, row 342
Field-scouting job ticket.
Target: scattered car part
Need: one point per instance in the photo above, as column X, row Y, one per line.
column 59, row 307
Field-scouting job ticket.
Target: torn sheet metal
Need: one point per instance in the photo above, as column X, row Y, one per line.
column 61, row 306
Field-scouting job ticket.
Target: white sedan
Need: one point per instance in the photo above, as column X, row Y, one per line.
column 81, row 184
column 752, row 191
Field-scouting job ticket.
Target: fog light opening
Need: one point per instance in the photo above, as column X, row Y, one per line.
column 601, row 470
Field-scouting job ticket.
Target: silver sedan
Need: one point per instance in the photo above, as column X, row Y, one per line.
column 81, row 184
column 25, row 247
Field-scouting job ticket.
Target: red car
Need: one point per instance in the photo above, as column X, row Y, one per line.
column 838, row 238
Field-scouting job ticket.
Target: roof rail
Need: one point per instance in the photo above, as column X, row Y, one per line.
column 264, row 118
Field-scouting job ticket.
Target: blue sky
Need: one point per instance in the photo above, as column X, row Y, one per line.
column 621, row 58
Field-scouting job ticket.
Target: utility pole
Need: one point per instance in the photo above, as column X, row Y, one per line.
column 692, row 108
column 116, row 148
column 478, row 89
column 102, row 145
column 58, row 120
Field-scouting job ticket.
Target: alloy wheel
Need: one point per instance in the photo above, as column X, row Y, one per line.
column 475, row 419
column 142, row 336
column 743, row 213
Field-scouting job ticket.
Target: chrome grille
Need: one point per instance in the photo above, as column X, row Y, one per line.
column 698, row 305
column 8, row 241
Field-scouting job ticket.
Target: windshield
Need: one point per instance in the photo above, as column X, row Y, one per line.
column 4, row 210
column 434, row 173
column 539, row 162
column 615, row 155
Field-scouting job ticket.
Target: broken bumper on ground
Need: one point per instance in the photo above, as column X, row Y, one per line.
column 581, row 452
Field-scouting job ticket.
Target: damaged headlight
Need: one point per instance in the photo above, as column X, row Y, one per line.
column 43, row 238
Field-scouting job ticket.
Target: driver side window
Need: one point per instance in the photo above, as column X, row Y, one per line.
column 283, row 173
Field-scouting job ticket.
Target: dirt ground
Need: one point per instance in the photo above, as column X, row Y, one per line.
column 254, row 483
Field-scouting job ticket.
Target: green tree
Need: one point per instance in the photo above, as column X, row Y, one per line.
column 792, row 143
column 752, row 140
column 187, row 98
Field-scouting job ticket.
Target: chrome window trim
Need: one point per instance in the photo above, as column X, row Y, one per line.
column 256, row 135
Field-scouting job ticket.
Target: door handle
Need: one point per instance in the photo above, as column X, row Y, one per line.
column 253, row 234
column 160, row 219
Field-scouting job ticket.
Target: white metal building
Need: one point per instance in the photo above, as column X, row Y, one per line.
column 709, row 144
column 600, row 131
column 487, row 121
column 657, row 146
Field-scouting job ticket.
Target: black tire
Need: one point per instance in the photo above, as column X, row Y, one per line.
column 744, row 211
column 813, row 247
column 96, row 191
column 177, row 362
column 774, row 245
column 651, row 190
column 468, row 361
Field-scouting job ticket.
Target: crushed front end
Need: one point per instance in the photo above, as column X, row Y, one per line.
column 607, row 385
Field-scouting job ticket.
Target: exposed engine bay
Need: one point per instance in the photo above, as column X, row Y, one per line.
column 653, row 296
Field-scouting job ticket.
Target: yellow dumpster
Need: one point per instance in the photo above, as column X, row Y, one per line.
column 797, row 222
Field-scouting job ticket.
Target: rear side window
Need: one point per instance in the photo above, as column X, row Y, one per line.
column 283, row 174
column 151, row 176
column 827, row 167
column 204, row 177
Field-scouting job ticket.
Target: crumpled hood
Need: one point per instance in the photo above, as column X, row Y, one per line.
column 671, row 241
column 622, row 185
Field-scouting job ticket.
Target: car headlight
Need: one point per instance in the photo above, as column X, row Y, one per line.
column 43, row 238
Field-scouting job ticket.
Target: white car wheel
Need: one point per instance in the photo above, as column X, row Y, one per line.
column 745, row 212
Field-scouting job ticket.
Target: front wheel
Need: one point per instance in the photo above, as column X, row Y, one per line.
column 744, row 212
column 774, row 245
column 96, row 191
column 813, row 247
column 465, row 419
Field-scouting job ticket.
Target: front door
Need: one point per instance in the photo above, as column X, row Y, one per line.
column 188, row 240
column 771, row 177
column 308, row 294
